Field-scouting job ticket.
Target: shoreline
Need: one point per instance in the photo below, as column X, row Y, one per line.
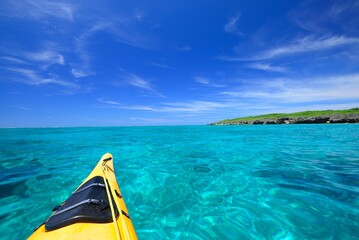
column 307, row 117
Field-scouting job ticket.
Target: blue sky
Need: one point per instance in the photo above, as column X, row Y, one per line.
column 106, row 63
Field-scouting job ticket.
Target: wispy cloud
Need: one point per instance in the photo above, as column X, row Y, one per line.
column 167, row 107
column 302, row 45
column 207, row 82
column 236, row 104
column 139, row 82
column 133, row 38
column 323, row 17
column 136, row 81
column 78, row 73
column 20, row 107
column 13, row 60
column 308, row 44
column 160, row 65
column 267, row 67
column 231, row 25
column 48, row 57
column 37, row 59
column 37, row 9
column 82, row 67
column 191, row 106
column 202, row 80
column 121, row 31
column 31, row 77
column 342, row 8
column 154, row 120
column 118, row 105
column 332, row 88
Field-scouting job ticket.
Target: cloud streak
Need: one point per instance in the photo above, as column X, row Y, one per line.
column 77, row 73
column 308, row 44
column 207, row 82
column 332, row 88
column 31, row 77
column 231, row 25
column 136, row 81
column 118, row 105
column 139, row 82
column 48, row 57
column 299, row 46
column 38, row 9
column 333, row 15
column 20, row 107
column 263, row 95
column 13, row 60
column 120, row 29
column 154, row 120
column 160, row 65
column 267, row 67
column 167, row 107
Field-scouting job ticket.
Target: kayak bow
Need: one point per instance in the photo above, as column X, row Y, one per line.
column 89, row 213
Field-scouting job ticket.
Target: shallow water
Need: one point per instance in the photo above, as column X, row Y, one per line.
column 193, row 182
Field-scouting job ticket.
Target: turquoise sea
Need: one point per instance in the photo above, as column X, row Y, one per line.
column 193, row 182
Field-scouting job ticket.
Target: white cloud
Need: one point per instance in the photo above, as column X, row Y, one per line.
column 30, row 74
column 231, row 25
column 20, row 107
column 303, row 45
column 77, row 73
column 122, row 30
column 118, row 105
column 160, row 65
column 31, row 77
column 154, row 120
column 267, row 67
column 136, row 81
column 341, row 7
column 167, row 107
column 37, row 9
column 83, row 66
column 323, row 17
column 308, row 44
column 202, row 80
column 139, row 82
column 235, row 104
column 207, row 82
column 321, row 106
column 101, row 100
column 57, row 82
column 47, row 57
column 56, row 9
column 231, row 58
column 13, row 60
column 332, row 88
column 190, row 106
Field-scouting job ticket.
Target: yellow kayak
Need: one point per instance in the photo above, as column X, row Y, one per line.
column 88, row 213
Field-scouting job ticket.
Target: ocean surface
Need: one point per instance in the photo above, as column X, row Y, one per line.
column 193, row 182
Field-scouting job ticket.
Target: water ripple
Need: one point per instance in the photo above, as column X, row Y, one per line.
column 193, row 182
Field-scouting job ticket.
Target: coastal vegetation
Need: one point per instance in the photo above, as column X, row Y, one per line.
column 323, row 116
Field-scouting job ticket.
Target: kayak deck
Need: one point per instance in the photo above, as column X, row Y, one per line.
column 89, row 213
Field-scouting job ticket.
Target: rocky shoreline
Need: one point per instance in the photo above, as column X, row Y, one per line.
column 347, row 118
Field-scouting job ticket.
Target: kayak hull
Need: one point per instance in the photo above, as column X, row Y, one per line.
column 80, row 230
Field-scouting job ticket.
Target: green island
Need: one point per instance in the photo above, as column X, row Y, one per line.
column 323, row 116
